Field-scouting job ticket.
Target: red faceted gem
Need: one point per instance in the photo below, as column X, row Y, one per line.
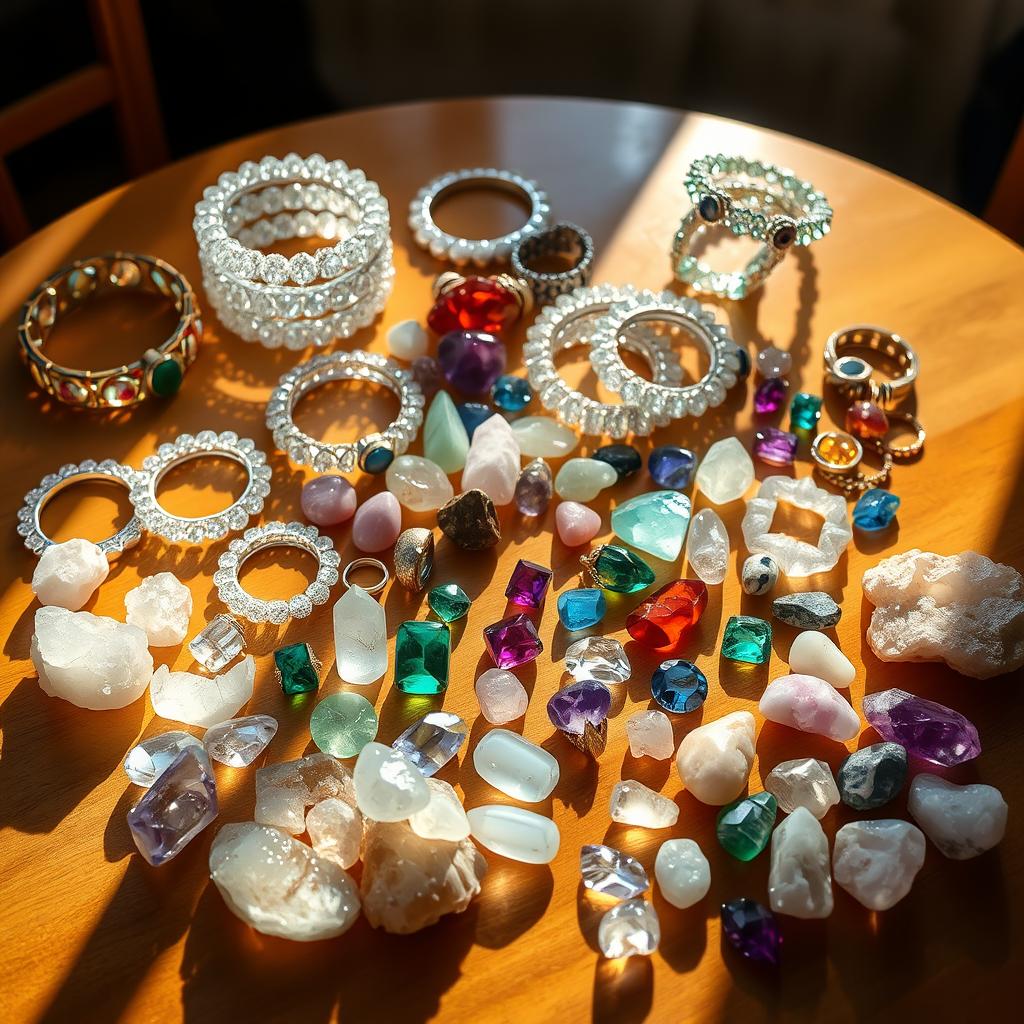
column 477, row 304
column 663, row 618
column 867, row 421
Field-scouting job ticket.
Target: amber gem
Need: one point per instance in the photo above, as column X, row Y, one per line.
column 838, row 451
column 663, row 618
column 867, row 421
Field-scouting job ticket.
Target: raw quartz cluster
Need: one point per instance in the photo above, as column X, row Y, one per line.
column 67, row 574
column 162, row 606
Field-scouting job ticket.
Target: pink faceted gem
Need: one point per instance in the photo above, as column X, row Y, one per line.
column 377, row 523
column 576, row 523
column 328, row 500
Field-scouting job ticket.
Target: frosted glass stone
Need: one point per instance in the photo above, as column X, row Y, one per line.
column 583, row 479
column 360, row 637
column 803, row 782
column 707, row 546
column 519, row 768
column 515, row 832
column 814, row 654
column 726, row 471
column 335, row 829
column 800, row 877
column 377, row 522
column 161, row 606
column 147, row 760
column 199, row 700
column 810, row 705
column 962, row 821
column 576, row 524
column 443, row 817
column 629, row 929
column 606, row 871
column 502, row 697
column 876, row 861
column 654, row 522
column 683, row 872
column 388, row 785
column 418, row 484
column 544, row 437
column 285, row 790
column 633, row 803
column 445, row 441
column 407, row 340
column 239, row 741
column 493, row 461
column 714, row 760
column 650, row 734
column 67, row 574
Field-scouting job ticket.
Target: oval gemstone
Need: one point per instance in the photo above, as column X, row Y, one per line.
column 837, row 449
column 122, row 390
column 475, row 304
column 679, row 686
column 543, row 436
column 583, row 479
column 165, row 378
column 671, row 466
column 519, row 768
column 514, row 832
column 377, row 522
column 328, row 500
column 867, row 421
column 623, row 458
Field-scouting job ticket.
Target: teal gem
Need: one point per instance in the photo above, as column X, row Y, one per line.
column 342, row 724
column 655, row 522
column 617, row 569
column 582, row 608
column 448, row 602
column 745, row 826
column 377, row 459
column 422, row 650
column 804, row 411
column 165, row 378
column 298, row 669
column 747, row 639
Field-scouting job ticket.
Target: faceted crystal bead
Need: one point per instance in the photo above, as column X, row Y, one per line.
column 671, row 466
column 809, row 610
column 872, row 776
column 544, row 437
column 581, row 608
column 679, row 686
column 633, row 803
column 360, row 637
column 876, row 861
column 218, row 644
column 472, row 415
column 502, row 698
column 775, row 447
column 572, row 707
column 147, row 760
column 610, row 872
column 747, row 639
column 810, row 705
column 615, row 568
column 623, row 458
column 770, row 396
column 422, row 653
column 583, row 479
column 534, row 488
column 773, row 362
column 654, row 522
column 683, row 872
column 661, row 620
column 444, row 818
column 875, row 510
column 328, row 500
column 744, row 827
column 803, row 782
column 759, row 575
column 726, row 471
column 448, row 602
column 707, row 546
column 962, row 821
column 297, row 669
column 752, row 930
column 601, row 658
column 432, row 741
column 804, row 411
column 470, row 522
column 418, row 484
column 528, row 584
column 926, row 728
column 513, row 641
column 471, row 360
column 445, row 441
column 342, row 724
column 387, row 785
column 474, row 304
column 511, row 393
column 239, row 741
column 629, row 929
column 800, row 876
column 519, row 768
column 515, row 832
column 650, row 735
column 867, row 421
column 714, row 760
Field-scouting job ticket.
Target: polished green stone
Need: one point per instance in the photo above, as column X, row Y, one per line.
column 448, row 602
column 299, row 673
column 165, row 378
column 617, row 569
column 747, row 639
column 342, row 724
column 422, row 651
column 445, row 440
column 745, row 826
column 804, row 411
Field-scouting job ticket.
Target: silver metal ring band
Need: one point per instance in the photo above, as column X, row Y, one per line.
column 367, row 563
column 562, row 239
column 848, row 369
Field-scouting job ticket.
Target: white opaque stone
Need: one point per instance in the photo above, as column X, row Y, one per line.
column 360, row 637
column 800, row 877
column 150, row 758
column 90, row 660
column 683, row 872
column 810, row 705
column 514, row 832
column 67, row 574
column 633, row 803
column 876, row 861
column 773, row 362
column 502, row 697
column 388, row 785
column 443, row 817
column 714, row 760
column 335, row 829
column 650, row 735
column 803, row 782
column 814, row 654
column 726, row 471
column 583, row 479
column 200, row 700
column 962, row 821
column 707, row 546
column 285, row 790
column 759, row 575
column 419, row 484
column 407, row 340
column 541, row 436
column 161, row 606
column 630, row 928
column 519, row 768
column 493, row 461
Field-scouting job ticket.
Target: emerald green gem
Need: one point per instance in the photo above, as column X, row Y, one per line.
column 448, row 602
column 422, row 650
column 165, row 378
column 617, row 569
column 298, row 669
column 747, row 639
column 342, row 724
column 745, row 826
column 804, row 411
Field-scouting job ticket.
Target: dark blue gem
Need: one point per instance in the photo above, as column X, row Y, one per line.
column 623, row 458
column 376, row 460
column 473, row 414
column 671, row 466
column 710, row 208
column 679, row 686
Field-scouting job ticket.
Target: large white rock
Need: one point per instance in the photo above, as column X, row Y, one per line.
column 707, row 546
column 493, row 461
column 285, row 790
column 810, row 705
column 714, row 760
column 90, row 660
column 360, row 637
column 962, row 821
column 444, row 816
column 335, row 828
column 68, row 574
column 799, row 880
column 519, row 768
column 388, row 785
column 726, row 471
column 200, row 700
column 814, row 654
column 965, row 610
column 876, row 861
column 162, row 606
column 682, row 871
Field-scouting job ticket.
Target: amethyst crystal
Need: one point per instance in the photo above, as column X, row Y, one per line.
column 471, row 360
column 770, row 395
column 752, row 929
column 528, row 584
column 927, row 729
column 572, row 707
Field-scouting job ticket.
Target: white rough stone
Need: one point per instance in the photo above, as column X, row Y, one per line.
column 360, row 637
column 962, row 821
column 876, row 861
column 90, row 660
column 418, row 484
column 965, row 610
column 800, row 879
column 493, row 461
column 388, row 786
column 683, row 872
column 502, row 697
column 633, row 803
column 335, row 829
column 810, row 705
column 630, row 928
column 285, row 790
column 444, row 816
column 803, row 782
column 515, row 832
column 161, row 606
column 814, row 654
column 707, row 546
column 583, row 480
column 543, row 437
column 726, row 471
column 200, row 700
column 650, row 735
column 67, row 574
column 714, row 760
column 407, row 340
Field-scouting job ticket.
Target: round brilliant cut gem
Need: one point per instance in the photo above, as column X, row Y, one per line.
column 679, row 686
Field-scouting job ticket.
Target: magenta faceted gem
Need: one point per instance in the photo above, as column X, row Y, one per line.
column 528, row 584
column 927, row 729
column 471, row 360
column 513, row 641
column 752, row 930
column 572, row 707
column 770, row 395
column 774, row 446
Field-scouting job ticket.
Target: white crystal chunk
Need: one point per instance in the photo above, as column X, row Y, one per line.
column 147, row 760
column 67, row 574
column 814, row 654
column 161, row 606
column 650, row 734
column 810, row 705
column 707, row 546
column 200, row 700
column 360, row 637
column 962, row 821
column 876, row 861
column 682, row 871
column 443, row 817
column 629, row 929
column 601, row 658
column 493, row 461
column 418, row 484
column 239, row 741
column 502, row 697
column 515, row 832
column 714, row 760
column 800, row 877
column 633, row 803
column 517, row 767
column 335, row 829
column 388, row 785
column 726, row 471
column 284, row 791
column 803, row 782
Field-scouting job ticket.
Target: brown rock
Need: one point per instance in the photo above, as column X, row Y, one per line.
column 469, row 520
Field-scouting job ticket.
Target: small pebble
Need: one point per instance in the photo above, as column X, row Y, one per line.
column 683, row 872
column 377, row 523
column 407, row 340
column 760, row 574
column 623, row 458
column 576, row 524
column 328, row 500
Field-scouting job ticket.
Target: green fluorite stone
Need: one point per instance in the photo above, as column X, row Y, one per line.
column 298, row 673
column 655, row 522
column 617, row 569
column 747, row 639
column 445, row 440
column 342, row 724
column 745, row 826
column 422, row 650
column 448, row 602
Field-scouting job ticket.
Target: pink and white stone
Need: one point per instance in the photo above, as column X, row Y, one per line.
column 67, row 574
column 714, row 760
column 377, row 523
column 328, row 500
column 810, row 705
column 576, row 524
column 502, row 697
column 493, row 461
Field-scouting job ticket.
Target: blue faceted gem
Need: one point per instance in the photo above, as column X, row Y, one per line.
column 679, row 686
column 579, row 609
column 511, row 393
column 473, row 414
column 671, row 466
column 875, row 510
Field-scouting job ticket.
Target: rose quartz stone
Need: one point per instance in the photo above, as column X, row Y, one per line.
column 377, row 523
column 576, row 523
column 810, row 705
column 328, row 500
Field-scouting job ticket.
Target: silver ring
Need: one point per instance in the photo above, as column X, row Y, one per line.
column 367, row 563
column 374, row 453
column 184, row 448
column 480, row 251
column 853, row 374
column 563, row 239
column 29, row 522
column 276, row 535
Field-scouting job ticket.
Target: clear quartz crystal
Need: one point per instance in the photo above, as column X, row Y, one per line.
column 601, row 658
column 629, row 929
column 239, row 741
column 633, row 803
column 432, row 741
column 218, row 643
column 650, row 734
column 707, row 546
column 611, row 872
column 147, row 760
column 803, row 782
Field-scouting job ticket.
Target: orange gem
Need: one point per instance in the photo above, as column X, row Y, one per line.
column 838, row 450
column 665, row 616
column 867, row 421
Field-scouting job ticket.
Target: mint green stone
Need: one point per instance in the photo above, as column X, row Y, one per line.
column 745, row 826
column 422, row 651
column 299, row 673
column 747, row 639
column 655, row 522
column 448, row 602
column 804, row 411
column 342, row 724
column 445, row 440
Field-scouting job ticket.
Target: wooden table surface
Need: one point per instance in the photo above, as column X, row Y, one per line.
column 89, row 931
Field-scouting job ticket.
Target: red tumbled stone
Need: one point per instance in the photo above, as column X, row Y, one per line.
column 663, row 618
column 477, row 304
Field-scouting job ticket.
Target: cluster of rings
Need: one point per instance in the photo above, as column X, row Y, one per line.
column 848, row 368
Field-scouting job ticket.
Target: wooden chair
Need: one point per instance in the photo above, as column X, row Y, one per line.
column 121, row 76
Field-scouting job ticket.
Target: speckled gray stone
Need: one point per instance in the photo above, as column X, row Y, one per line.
column 812, row 610
column 871, row 777
column 760, row 574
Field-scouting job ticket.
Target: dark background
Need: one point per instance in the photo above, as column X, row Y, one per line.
column 930, row 89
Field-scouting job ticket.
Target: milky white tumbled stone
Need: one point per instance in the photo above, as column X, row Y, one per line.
column 335, row 829
column 443, row 817
column 493, row 461
column 517, row 767
column 200, row 700
column 162, row 606
column 650, row 734
column 800, row 877
column 68, row 574
column 388, row 785
column 502, row 697
column 360, row 637
column 707, row 546
column 407, row 340
column 541, row 436
column 810, row 705
column 876, row 861
column 726, row 471
column 90, row 660
column 714, row 760
column 285, row 790
column 814, row 654
column 418, row 484
column 515, row 832
column 962, row 821
column 583, row 479
column 682, row 871
column 633, row 803
column 803, row 782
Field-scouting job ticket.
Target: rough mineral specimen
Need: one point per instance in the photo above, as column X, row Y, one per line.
column 492, row 463
column 962, row 821
column 812, row 609
column 682, row 871
column 443, row 817
column 926, row 728
column 810, row 705
column 876, row 861
column 872, row 776
column 360, row 637
column 726, row 471
column 633, row 803
column 650, row 735
column 515, row 832
column 714, row 760
column 519, row 768
column 239, row 741
column 800, row 879
column 707, row 546
column 501, row 696
column 804, row 782
column 630, row 928
column 583, row 702
column 150, row 758
column 284, row 791
column 67, row 574
column 199, row 700
column 335, row 829
column 814, row 654
column 469, row 521
column 161, row 606
column 610, row 872
column 388, row 786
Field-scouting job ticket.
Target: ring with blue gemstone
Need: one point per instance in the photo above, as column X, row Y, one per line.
column 850, row 356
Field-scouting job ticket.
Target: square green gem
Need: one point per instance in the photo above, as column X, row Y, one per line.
column 298, row 669
column 422, row 650
column 747, row 639
column 448, row 602
column 804, row 411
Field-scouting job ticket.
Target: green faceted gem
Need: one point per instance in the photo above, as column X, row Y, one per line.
column 747, row 639
column 298, row 669
column 342, row 724
column 804, row 411
column 615, row 568
column 745, row 826
column 165, row 378
column 655, row 522
column 448, row 602
column 445, row 440
column 422, row 650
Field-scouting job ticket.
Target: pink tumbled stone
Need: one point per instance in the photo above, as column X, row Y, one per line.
column 576, row 523
column 809, row 704
column 378, row 522
column 328, row 500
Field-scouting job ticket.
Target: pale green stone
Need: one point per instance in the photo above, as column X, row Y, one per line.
column 445, row 440
column 655, row 522
column 541, row 436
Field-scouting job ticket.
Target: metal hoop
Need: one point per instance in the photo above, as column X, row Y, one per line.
column 367, row 563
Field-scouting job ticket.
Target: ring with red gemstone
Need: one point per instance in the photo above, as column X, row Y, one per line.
column 160, row 371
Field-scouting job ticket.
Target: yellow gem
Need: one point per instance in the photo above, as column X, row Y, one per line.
column 837, row 450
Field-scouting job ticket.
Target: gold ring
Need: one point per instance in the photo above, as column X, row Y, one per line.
column 414, row 558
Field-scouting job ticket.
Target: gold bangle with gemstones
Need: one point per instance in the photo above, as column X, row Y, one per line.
column 157, row 374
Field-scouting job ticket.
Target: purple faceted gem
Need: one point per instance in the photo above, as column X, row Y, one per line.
column 752, row 930
column 513, row 641
column 176, row 808
column 528, row 584
column 927, row 729
column 578, row 703
column 471, row 360
column 770, row 395
column 774, row 446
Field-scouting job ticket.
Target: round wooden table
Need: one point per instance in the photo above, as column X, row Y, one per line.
column 92, row 932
